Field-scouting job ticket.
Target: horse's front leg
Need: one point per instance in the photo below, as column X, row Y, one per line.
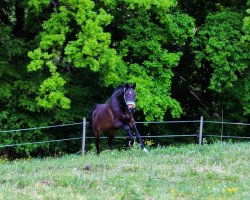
column 126, row 128
column 138, row 136
column 130, row 135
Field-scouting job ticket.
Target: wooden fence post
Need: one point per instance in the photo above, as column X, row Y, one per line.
column 222, row 127
column 83, row 135
column 201, row 129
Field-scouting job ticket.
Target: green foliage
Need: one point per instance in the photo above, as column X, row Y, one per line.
column 246, row 27
column 77, row 52
column 222, row 53
column 10, row 46
column 19, row 90
column 149, row 35
column 88, row 48
column 244, row 85
column 141, row 56
column 219, row 43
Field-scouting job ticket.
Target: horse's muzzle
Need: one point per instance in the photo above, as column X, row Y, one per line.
column 131, row 108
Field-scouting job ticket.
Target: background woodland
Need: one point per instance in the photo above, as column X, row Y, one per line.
column 59, row 58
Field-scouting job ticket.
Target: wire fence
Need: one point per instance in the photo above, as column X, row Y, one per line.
column 41, row 127
column 200, row 135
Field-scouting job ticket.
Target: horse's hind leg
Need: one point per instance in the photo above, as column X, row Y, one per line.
column 97, row 143
column 110, row 140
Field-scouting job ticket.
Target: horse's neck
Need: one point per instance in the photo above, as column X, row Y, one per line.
column 117, row 104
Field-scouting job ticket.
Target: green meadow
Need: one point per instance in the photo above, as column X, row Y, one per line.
column 214, row 171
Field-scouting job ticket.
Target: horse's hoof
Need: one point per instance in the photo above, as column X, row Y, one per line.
column 144, row 149
column 87, row 168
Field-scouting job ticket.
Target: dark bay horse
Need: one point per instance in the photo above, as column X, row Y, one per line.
column 116, row 114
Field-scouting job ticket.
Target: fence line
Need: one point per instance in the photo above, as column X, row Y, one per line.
column 119, row 137
column 230, row 123
column 80, row 123
column 78, row 138
column 41, row 127
column 162, row 122
column 169, row 122
column 228, row 136
column 48, row 141
column 150, row 136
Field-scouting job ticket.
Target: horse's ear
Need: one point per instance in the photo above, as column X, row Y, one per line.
column 127, row 85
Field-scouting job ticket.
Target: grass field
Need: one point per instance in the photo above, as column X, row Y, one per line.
column 216, row 171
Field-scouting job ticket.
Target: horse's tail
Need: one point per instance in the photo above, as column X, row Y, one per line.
column 91, row 118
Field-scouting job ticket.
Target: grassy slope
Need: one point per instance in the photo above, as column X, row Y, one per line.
column 217, row 171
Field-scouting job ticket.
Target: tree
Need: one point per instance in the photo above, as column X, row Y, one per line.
column 150, row 45
column 245, row 83
column 222, row 56
column 219, row 44
column 19, row 26
column 77, row 52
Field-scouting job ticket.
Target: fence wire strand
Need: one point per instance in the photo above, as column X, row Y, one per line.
column 42, row 142
column 227, row 136
column 169, row 122
column 229, row 123
column 41, row 127
column 78, row 138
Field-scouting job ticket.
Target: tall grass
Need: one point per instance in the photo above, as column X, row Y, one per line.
column 217, row 171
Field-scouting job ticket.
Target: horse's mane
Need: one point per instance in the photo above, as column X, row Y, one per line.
column 118, row 91
column 118, row 94
column 118, row 88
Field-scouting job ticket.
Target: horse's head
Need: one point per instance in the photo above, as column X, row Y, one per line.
column 130, row 97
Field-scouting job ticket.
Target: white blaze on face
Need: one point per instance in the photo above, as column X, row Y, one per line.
column 129, row 99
